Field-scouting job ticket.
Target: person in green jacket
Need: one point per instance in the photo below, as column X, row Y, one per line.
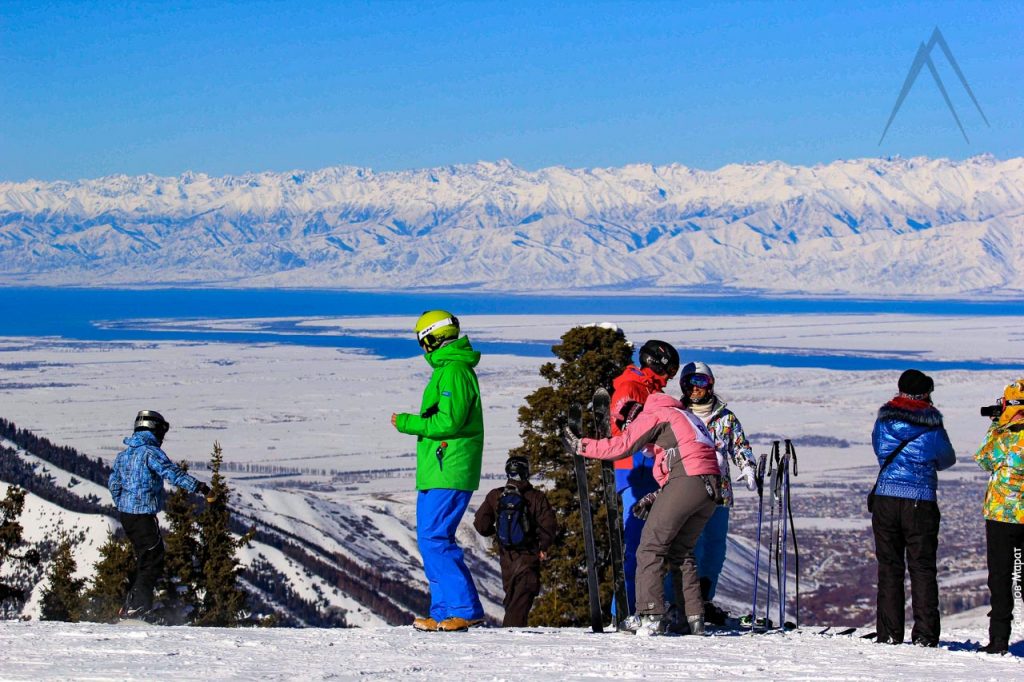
column 449, row 430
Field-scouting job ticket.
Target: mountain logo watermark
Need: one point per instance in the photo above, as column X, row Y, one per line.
column 924, row 58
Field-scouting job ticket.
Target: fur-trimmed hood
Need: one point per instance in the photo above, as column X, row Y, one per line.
column 904, row 409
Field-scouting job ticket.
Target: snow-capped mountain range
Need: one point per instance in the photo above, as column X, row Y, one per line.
column 915, row 227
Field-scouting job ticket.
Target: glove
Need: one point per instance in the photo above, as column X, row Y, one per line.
column 642, row 509
column 571, row 442
column 749, row 475
column 205, row 491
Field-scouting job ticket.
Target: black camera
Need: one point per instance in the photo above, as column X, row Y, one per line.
column 992, row 411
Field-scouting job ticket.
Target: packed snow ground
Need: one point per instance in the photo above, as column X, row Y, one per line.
column 48, row 651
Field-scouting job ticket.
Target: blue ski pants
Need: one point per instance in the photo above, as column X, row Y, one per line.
column 452, row 592
column 710, row 549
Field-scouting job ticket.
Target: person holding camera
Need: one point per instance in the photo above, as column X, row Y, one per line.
column 911, row 445
column 1002, row 455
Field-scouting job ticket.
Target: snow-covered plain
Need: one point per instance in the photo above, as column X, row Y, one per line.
column 312, row 407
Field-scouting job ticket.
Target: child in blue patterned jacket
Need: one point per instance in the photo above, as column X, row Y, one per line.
column 137, row 486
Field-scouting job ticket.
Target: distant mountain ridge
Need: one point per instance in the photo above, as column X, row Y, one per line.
column 915, row 227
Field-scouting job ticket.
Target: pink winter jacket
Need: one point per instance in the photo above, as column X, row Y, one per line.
column 670, row 431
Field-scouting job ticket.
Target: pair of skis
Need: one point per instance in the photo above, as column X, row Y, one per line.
column 775, row 467
column 601, row 407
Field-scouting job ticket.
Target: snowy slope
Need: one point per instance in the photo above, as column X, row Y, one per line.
column 50, row 651
column 346, row 552
column 928, row 227
column 42, row 520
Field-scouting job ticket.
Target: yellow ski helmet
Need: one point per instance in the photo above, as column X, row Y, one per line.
column 1013, row 401
column 435, row 328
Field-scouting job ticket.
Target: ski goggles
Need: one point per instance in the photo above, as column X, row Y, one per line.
column 699, row 380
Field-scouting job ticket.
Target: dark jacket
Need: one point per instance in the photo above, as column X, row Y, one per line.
column 543, row 523
column 912, row 474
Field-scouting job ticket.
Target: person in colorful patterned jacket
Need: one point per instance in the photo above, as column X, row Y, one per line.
column 136, row 484
column 698, row 389
column 685, row 466
column 1002, row 455
column 910, row 445
column 449, row 430
column 634, row 478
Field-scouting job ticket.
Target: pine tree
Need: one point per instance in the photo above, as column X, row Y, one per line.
column 112, row 578
column 11, row 507
column 179, row 585
column 62, row 598
column 223, row 599
column 591, row 357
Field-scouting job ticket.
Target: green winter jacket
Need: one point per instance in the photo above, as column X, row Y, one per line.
column 449, row 429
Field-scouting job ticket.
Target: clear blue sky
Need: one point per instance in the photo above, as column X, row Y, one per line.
column 90, row 89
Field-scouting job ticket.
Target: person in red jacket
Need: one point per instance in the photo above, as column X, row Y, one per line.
column 659, row 362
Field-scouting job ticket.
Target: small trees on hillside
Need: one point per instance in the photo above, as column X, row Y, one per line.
column 11, row 588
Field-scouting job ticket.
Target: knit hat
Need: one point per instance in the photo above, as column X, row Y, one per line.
column 915, row 382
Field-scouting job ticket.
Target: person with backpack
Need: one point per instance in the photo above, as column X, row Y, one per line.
column 697, row 383
column 136, row 484
column 1002, row 455
column 634, row 477
column 910, row 445
column 686, row 471
column 449, row 430
column 522, row 521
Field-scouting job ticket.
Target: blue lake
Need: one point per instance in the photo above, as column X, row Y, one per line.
column 74, row 313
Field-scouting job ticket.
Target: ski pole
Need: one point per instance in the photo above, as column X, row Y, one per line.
column 772, row 464
column 783, row 502
column 757, row 549
column 792, row 526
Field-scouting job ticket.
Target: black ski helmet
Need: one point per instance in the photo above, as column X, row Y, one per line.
column 517, row 468
column 152, row 421
column 661, row 357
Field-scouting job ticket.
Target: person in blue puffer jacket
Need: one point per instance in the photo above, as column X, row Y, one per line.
column 911, row 445
column 137, row 485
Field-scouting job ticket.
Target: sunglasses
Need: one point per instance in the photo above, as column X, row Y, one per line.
column 699, row 380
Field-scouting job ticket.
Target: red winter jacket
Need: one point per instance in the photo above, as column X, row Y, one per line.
column 672, row 433
column 634, row 385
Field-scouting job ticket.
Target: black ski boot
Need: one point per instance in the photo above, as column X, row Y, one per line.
column 714, row 615
column 996, row 646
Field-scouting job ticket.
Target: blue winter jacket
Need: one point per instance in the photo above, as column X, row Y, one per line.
column 136, row 483
column 912, row 474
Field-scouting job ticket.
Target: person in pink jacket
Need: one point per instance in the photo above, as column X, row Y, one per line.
column 686, row 469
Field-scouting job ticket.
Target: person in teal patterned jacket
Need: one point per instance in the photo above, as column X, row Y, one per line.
column 698, row 386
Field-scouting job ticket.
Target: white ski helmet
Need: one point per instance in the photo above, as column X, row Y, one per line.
column 691, row 368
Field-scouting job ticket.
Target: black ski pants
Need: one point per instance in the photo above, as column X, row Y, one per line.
column 520, row 576
column 906, row 539
column 144, row 534
column 1005, row 548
